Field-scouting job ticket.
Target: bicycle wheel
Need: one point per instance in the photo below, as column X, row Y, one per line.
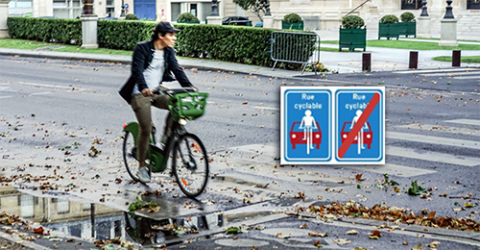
column 130, row 156
column 190, row 165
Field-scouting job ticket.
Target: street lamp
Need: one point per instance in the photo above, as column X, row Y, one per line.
column 449, row 13
column 214, row 8
column 424, row 8
column 122, row 14
column 267, row 6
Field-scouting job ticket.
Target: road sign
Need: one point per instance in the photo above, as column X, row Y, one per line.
column 306, row 125
column 332, row 125
column 359, row 125
column 126, row 6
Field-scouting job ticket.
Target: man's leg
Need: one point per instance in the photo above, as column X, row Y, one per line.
column 141, row 107
column 161, row 103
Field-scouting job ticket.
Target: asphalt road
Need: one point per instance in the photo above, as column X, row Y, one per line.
column 432, row 123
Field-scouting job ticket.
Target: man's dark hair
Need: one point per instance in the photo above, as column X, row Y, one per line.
column 163, row 28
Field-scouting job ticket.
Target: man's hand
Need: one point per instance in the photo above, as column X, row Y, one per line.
column 195, row 88
column 147, row 92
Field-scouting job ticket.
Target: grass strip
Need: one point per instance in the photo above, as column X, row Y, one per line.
column 464, row 59
column 31, row 45
column 398, row 44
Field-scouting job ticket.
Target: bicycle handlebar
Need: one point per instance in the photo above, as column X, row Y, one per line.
column 172, row 92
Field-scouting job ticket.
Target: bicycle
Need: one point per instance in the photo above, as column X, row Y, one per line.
column 186, row 150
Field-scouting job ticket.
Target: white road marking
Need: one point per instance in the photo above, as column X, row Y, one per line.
column 392, row 169
column 432, row 71
column 467, row 77
column 267, row 108
column 5, row 97
column 454, row 74
column 432, row 156
column 465, row 121
column 434, row 140
column 440, row 128
column 41, row 93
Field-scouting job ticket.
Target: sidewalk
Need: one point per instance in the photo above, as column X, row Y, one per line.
column 383, row 59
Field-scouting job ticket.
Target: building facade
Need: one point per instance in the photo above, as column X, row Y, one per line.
column 317, row 14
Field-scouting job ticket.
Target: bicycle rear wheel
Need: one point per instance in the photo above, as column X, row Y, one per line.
column 190, row 165
column 130, row 156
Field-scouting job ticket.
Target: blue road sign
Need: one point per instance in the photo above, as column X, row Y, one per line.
column 359, row 125
column 306, row 125
column 126, row 6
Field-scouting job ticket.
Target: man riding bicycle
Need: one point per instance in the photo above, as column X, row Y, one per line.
column 152, row 63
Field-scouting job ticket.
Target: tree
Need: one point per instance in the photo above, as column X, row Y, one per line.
column 259, row 7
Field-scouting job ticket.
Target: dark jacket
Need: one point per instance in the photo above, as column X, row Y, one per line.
column 142, row 57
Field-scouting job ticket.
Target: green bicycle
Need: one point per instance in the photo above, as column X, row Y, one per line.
column 188, row 154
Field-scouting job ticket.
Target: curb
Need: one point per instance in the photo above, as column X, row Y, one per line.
column 24, row 243
column 186, row 63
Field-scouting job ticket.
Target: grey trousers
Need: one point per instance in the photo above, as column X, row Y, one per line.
column 141, row 105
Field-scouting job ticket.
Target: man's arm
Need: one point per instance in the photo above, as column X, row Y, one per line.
column 178, row 71
column 138, row 62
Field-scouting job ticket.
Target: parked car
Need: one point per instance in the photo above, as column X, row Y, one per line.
column 297, row 135
column 367, row 134
column 236, row 20
column 259, row 25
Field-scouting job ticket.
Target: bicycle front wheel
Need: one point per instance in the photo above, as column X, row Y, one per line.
column 190, row 165
column 130, row 156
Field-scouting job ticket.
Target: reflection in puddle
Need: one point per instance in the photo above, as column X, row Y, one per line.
column 95, row 221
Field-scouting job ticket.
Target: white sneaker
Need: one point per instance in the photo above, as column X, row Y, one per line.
column 143, row 175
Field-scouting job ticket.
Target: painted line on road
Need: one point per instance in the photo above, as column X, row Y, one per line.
column 454, row 74
column 465, row 121
column 267, row 108
column 433, row 71
column 439, row 128
column 41, row 93
column 393, row 169
column 267, row 150
column 467, row 77
column 432, row 156
column 5, row 97
column 434, row 140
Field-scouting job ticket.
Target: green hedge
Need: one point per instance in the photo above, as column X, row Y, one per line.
column 46, row 29
column 222, row 42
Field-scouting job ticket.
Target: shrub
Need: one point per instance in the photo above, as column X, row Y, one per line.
column 187, row 17
column 131, row 17
column 46, row 29
column 389, row 19
column 292, row 18
column 352, row 22
column 407, row 17
column 222, row 42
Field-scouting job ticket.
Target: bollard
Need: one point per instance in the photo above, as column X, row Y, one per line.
column 413, row 60
column 367, row 62
column 456, row 58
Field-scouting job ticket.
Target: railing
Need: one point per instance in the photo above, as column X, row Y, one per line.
column 359, row 6
column 295, row 47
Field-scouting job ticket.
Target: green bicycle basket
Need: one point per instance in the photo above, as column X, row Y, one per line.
column 187, row 105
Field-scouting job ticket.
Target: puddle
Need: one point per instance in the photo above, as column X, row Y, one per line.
column 95, row 221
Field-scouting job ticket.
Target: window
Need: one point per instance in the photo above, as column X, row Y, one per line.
column 63, row 206
column 67, row 8
column 176, row 9
column 27, row 205
column 20, row 8
column 411, row 4
column 473, row 4
column 110, row 8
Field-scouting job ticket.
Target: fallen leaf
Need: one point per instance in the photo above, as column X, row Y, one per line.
column 352, row 232
column 318, row 234
column 342, row 241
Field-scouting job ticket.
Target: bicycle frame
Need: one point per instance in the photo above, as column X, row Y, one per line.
column 155, row 154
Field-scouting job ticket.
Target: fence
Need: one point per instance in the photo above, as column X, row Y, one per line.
column 295, row 47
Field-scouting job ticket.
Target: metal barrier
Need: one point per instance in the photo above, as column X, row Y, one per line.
column 295, row 47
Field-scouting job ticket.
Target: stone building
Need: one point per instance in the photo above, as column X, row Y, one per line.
column 318, row 14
